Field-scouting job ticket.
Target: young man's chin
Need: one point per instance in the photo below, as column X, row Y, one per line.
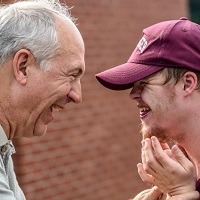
column 158, row 131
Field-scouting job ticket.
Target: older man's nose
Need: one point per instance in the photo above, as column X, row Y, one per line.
column 75, row 95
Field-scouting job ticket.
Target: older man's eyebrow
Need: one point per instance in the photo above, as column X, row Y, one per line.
column 77, row 70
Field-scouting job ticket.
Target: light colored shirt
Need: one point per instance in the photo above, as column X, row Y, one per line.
column 9, row 187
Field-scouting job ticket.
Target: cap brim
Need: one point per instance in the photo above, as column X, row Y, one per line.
column 123, row 76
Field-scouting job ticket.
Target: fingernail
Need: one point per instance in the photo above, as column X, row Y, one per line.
column 175, row 147
column 153, row 139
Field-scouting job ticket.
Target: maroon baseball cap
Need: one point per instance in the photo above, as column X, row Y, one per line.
column 174, row 43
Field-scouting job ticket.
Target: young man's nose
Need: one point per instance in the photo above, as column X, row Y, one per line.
column 135, row 92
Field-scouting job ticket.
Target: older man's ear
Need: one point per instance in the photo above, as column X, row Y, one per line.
column 21, row 61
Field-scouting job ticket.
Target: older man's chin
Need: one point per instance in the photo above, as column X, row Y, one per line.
column 39, row 131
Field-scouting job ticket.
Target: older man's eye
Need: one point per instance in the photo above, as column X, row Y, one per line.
column 74, row 75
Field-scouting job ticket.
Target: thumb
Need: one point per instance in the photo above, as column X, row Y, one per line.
column 180, row 156
column 150, row 194
column 154, row 194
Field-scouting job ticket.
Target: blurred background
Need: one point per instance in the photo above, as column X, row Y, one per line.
column 91, row 150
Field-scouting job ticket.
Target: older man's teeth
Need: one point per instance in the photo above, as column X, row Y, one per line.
column 56, row 108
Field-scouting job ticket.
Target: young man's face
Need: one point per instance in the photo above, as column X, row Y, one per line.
column 158, row 106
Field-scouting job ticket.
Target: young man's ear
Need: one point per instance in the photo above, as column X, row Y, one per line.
column 190, row 82
column 22, row 59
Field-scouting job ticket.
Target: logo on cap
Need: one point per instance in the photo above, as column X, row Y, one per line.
column 142, row 44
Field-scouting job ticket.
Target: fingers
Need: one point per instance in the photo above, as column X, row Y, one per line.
column 181, row 159
column 183, row 150
column 144, row 176
column 164, row 157
column 156, row 161
column 149, row 160
column 173, row 174
column 166, row 149
column 165, row 146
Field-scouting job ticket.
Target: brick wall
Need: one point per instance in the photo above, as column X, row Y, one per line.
column 91, row 150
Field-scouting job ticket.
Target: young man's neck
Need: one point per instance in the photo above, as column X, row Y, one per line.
column 191, row 145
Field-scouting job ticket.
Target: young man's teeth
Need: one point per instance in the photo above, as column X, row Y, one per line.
column 144, row 109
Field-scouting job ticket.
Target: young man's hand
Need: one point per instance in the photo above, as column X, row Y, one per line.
column 156, row 194
column 172, row 172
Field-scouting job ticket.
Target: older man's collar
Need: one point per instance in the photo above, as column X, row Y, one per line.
column 3, row 137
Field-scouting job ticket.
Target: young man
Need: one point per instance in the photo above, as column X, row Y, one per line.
column 164, row 74
column 41, row 63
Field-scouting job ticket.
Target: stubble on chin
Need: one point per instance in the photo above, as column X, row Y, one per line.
column 157, row 131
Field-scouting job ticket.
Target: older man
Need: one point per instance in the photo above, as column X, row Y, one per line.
column 41, row 63
column 164, row 74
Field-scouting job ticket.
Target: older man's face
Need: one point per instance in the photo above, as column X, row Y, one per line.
column 53, row 89
column 61, row 85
